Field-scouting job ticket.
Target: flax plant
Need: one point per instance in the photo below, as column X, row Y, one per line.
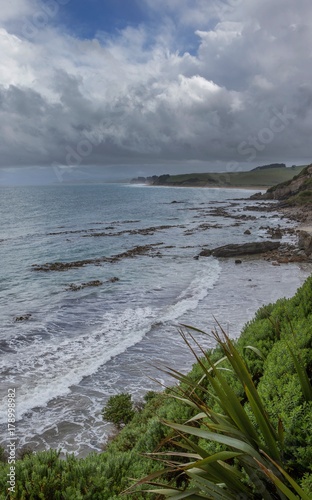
column 247, row 457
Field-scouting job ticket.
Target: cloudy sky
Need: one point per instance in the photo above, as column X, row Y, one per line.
column 154, row 85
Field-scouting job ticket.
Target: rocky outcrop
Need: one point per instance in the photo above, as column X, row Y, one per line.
column 205, row 253
column 129, row 254
column 146, row 231
column 286, row 190
column 258, row 196
column 235, row 250
column 305, row 241
column 245, row 249
column 25, row 317
column 75, row 287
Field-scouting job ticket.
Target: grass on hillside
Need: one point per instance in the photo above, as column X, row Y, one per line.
column 253, row 178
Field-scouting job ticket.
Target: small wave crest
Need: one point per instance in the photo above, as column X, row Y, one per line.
column 52, row 367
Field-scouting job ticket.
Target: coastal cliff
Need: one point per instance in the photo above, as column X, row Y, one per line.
column 296, row 191
column 295, row 197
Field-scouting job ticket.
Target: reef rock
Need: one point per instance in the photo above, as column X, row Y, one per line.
column 235, row 250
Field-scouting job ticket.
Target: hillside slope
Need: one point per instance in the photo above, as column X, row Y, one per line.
column 296, row 191
column 260, row 177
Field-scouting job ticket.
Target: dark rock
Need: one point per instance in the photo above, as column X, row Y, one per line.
column 73, row 287
column 64, row 266
column 143, row 231
column 260, row 207
column 25, row 317
column 276, row 234
column 247, row 231
column 205, row 253
column 256, row 196
column 113, row 280
column 305, row 242
column 237, row 261
column 245, row 249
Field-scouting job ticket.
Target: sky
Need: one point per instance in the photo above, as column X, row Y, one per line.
column 146, row 86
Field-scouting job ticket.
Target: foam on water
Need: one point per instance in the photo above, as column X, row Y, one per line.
column 189, row 299
column 49, row 369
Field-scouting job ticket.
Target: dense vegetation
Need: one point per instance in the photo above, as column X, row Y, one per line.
column 282, row 333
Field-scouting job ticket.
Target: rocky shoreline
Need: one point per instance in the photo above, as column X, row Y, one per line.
column 289, row 199
column 273, row 248
column 275, row 252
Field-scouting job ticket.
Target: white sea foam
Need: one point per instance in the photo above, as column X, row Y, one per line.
column 48, row 370
column 198, row 289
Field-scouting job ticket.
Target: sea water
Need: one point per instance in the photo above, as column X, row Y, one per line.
column 79, row 347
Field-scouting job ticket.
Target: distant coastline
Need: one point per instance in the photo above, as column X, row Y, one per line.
column 243, row 188
column 262, row 178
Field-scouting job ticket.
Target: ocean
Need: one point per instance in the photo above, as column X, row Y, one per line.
column 66, row 347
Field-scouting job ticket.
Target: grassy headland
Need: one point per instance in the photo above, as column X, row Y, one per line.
column 260, row 177
column 294, row 195
column 296, row 191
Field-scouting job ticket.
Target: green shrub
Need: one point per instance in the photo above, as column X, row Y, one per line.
column 119, row 410
column 227, row 454
column 306, row 484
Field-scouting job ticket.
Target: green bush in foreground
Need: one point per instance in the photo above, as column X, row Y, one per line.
column 45, row 476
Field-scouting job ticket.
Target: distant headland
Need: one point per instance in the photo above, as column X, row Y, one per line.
column 260, row 177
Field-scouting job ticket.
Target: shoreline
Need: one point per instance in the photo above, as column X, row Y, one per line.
column 243, row 188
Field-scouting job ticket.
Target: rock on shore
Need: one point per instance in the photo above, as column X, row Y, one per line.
column 305, row 241
column 234, row 250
